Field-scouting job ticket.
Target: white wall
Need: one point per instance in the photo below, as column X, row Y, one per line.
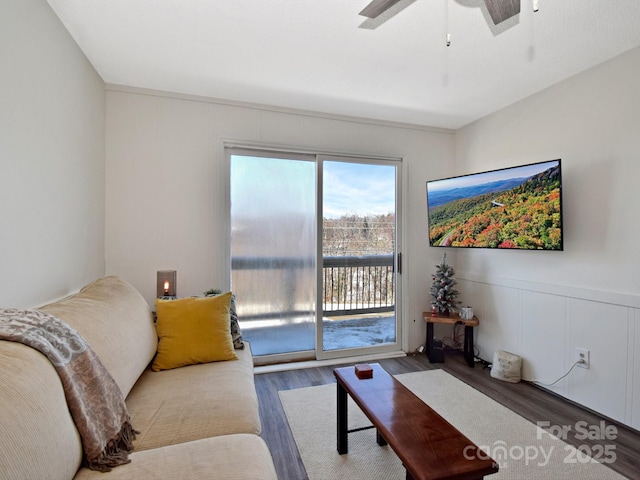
column 51, row 159
column 165, row 202
column 542, row 305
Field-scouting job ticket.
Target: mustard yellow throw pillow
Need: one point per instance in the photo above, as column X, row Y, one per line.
column 193, row 330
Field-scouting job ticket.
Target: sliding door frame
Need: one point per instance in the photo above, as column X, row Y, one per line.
column 244, row 148
column 396, row 346
column 262, row 152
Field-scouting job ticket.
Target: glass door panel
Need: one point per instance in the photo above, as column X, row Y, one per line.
column 273, row 250
column 358, row 275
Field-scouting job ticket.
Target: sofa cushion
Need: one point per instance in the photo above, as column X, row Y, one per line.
column 193, row 330
column 118, row 324
column 194, row 402
column 236, row 331
column 232, row 457
column 39, row 439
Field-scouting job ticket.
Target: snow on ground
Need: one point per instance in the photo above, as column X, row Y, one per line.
column 337, row 334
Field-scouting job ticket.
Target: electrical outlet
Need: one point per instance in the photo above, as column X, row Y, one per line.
column 582, row 356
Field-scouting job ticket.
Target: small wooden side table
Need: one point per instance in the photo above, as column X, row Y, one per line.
column 432, row 318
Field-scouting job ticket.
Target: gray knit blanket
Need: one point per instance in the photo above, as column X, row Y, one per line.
column 94, row 399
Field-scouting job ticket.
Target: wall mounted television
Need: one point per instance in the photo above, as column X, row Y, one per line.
column 517, row 208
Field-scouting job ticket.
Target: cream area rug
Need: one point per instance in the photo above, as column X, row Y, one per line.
column 523, row 449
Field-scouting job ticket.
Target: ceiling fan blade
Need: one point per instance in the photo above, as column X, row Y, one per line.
column 500, row 10
column 377, row 7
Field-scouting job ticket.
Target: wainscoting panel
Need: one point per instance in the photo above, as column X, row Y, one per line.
column 497, row 309
column 545, row 323
column 543, row 326
column 608, row 355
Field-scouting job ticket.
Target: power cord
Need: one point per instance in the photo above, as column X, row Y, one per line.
column 578, row 362
column 453, row 342
column 482, row 362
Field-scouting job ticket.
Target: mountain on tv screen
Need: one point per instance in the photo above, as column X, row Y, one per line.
column 517, row 207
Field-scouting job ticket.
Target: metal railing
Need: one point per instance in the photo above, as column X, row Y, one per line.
column 358, row 285
column 351, row 285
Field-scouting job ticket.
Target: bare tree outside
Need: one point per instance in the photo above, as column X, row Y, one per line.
column 355, row 235
column 358, row 271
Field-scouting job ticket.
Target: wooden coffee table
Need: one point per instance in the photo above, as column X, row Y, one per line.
column 429, row 447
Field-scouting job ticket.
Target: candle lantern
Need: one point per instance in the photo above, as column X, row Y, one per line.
column 166, row 285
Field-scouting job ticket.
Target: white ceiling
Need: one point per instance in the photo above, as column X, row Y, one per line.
column 321, row 55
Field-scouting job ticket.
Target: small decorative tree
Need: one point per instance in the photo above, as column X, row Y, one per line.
column 443, row 294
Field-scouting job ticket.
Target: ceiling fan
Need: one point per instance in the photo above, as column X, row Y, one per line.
column 500, row 10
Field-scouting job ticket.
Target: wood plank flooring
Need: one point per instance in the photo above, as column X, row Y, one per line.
column 529, row 401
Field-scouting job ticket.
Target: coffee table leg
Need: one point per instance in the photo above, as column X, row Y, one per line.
column 380, row 439
column 343, row 446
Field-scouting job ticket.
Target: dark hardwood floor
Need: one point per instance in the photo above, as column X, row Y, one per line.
column 529, row 401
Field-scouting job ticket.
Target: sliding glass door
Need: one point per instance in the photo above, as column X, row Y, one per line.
column 313, row 253
column 358, row 278
column 273, row 250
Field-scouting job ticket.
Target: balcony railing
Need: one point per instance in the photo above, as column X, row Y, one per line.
column 351, row 285
column 358, row 285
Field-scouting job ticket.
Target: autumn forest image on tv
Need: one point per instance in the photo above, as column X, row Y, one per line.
column 517, row 208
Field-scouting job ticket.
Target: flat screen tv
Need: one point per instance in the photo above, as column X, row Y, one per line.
column 517, row 207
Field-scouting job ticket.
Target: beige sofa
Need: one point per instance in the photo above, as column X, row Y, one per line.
column 195, row 422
